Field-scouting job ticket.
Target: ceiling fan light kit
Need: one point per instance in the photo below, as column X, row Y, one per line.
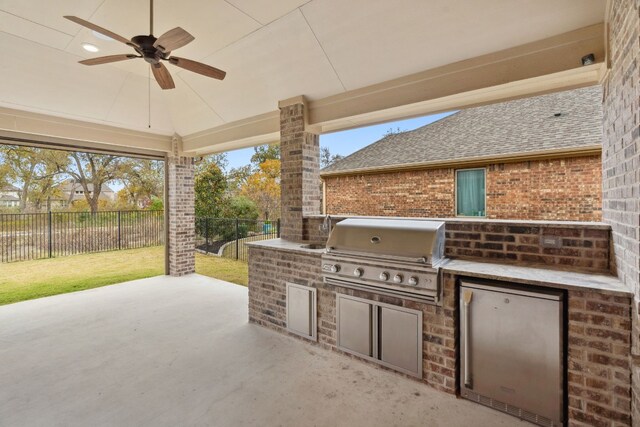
column 153, row 50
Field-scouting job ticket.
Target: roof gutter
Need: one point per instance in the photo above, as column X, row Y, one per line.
column 589, row 150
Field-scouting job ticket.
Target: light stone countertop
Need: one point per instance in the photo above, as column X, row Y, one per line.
column 476, row 220
column 504, row 272
column 539, row 276
column 287, row 246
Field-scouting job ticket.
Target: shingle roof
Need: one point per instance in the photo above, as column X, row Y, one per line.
column 9, row 187
column 513, row 127
column 72, row 186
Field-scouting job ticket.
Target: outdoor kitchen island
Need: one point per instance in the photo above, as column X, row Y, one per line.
column 598, row 318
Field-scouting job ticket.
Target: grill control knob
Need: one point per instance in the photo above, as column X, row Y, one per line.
column 413, row 281
column 358, row 272
column 335, row 268
column 384, row 276
column 397, row 278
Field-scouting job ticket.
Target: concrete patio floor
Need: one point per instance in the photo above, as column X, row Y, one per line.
column 179, row 352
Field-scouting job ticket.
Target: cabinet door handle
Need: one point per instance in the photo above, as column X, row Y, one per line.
column 466, row 298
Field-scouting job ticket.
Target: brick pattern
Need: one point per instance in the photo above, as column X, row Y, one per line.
column 181, row 211
column 300, row 171
column 584, row 249
column 554, row 189
column 599, row 337
column 621, row 159
column 269, row 270
column 427, row 193
column 599, row 376
column 558, row 189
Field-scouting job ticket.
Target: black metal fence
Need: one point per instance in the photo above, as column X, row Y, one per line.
column 54, row 234
column 227, row 237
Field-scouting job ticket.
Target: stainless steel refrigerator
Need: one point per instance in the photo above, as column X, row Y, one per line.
column 512, row 350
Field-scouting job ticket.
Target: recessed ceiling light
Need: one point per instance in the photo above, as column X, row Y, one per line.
column 89, row 47
column 101, row 36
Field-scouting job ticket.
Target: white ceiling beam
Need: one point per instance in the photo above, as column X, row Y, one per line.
column 257, row 130
column 534, row 60
column 544, row 66
column 24, row 126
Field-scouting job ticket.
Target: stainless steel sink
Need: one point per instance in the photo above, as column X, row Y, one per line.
column 312, row 246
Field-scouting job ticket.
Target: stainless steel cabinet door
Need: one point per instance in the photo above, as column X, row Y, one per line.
column 399, row 339
column 355, row 326
column 301, row 310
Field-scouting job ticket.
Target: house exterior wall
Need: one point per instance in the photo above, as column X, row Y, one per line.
column 621, row 160
column 554, row 189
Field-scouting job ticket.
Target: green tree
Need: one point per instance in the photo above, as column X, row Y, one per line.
column 327, row 159
column 5, row 171
column 263, row 153
column 92, row 171
column 263, row 187
column 219, row 159
column 34, row 170
column 241, row 207
column 142, row 180
column 156, row 204
column 210, row 187
column 237, row 177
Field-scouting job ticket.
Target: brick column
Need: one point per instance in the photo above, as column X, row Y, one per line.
column 621, row 161
column 300, row 169
column 181, row 212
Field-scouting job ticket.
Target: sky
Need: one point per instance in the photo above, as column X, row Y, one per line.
column 348, row 141
column 343, row 143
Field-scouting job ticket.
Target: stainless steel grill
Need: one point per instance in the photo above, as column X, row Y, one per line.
column 395, row 257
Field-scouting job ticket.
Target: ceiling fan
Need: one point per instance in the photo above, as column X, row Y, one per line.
column 153, row 50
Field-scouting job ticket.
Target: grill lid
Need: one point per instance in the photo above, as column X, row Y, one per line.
column 411, row 240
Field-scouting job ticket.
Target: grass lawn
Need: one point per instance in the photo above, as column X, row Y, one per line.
column 26, row 280
column 224, row 269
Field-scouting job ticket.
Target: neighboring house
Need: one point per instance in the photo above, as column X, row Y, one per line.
column 72, row 191
column 9, row 196
column 536, row 158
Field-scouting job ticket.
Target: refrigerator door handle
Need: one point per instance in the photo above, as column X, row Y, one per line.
column 467, row 294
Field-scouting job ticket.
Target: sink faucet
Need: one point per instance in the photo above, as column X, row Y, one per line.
column 326, row 224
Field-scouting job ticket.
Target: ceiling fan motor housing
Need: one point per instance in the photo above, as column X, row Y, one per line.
column 145, row 48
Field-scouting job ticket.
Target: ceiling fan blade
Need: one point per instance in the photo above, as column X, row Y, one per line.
column 98, row 29
column 172, row 40
column 107, row 59
column 198, row 67
column 162, row 75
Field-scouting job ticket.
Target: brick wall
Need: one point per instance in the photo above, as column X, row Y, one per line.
column 269, row 270
column 555, row 189
column 598, row 333
column 559, row 189
column 584, row 247
column 300, row 165
column 621, row 158
column 181, row 212
column 599, row 377
column 427, row 193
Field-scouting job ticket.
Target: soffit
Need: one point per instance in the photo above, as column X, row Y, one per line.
column 271, row 51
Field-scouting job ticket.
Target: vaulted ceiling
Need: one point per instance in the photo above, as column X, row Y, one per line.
column 271, row 50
